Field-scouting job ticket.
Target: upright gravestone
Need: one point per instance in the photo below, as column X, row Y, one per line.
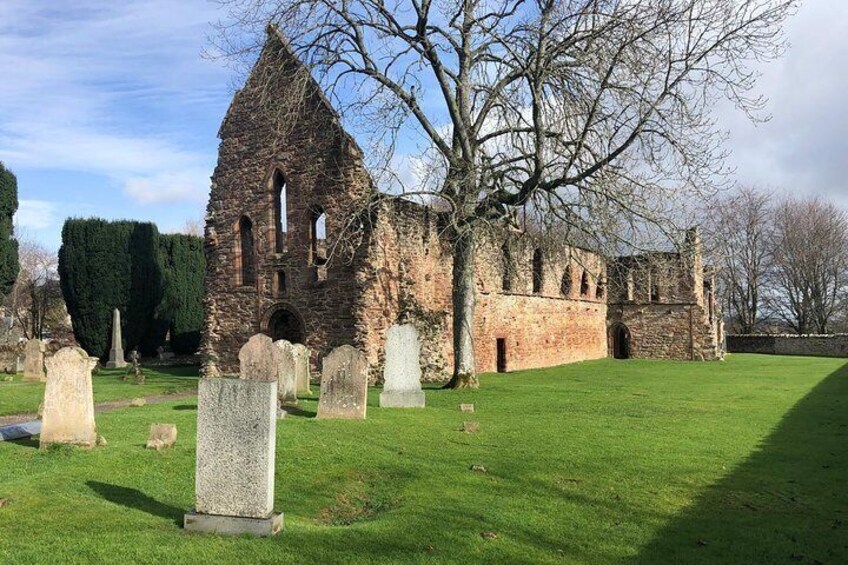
column 236, row 442
column 259, row 359
column 68, row 399
column 402, row 373
column 344, row 384
column 34, row 361
column 301, row 368
column 116, row 354
column 286, row 383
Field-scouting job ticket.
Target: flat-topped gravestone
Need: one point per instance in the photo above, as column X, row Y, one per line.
column 236, row 442
column 286, row 377
column 301, row 368
column 259, row 359
column 116, row 354
column 68, row 399
column 402, row 372
column 34, row 361
column 344, row 384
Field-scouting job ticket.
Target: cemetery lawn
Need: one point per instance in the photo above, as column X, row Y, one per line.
column 600, row 462
column 18, row 397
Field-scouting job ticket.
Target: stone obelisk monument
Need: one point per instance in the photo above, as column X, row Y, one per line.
column 116, row 355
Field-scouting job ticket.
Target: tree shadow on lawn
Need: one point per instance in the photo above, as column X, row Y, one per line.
column 787, row 502
column 134, row 498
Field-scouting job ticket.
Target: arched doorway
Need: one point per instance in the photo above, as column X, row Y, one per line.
column 621, row 342
column 285, row 324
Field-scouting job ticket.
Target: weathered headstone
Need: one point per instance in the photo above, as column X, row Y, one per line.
column 68, row 399
column 34, row 361
column 466, row 407
column 286, row 377
column 116, row 354
column 236, row 442
column 344, row 384
column 301, row 368
column 402, row 372
column 259, row 359
column 162, row 436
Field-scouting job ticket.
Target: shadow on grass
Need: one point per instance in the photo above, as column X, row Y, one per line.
column 299, row 412
column 134, row 498
column 186, row 407
column 177, row 371
column 786, row 503
column 31, row 441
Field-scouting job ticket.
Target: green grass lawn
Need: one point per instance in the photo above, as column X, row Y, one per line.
column 744, row 461
column 18, row 397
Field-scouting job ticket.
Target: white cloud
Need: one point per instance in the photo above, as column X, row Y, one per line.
column 169, row 187
column 36, row 214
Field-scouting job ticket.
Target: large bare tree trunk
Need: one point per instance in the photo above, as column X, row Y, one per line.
column 464, row 296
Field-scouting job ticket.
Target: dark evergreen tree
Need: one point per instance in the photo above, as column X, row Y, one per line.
column 182, row 303
column 9, row 264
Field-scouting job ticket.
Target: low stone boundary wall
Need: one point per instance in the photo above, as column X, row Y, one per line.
column 830, row 345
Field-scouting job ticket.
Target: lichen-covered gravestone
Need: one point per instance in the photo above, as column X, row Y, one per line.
column 344, row 384
column 34, row 361
column 301, row 368
column 236, row 442
column 68, row 399
column 259, row 359
column 116, row 354
column 402, row 372
column 286, row 376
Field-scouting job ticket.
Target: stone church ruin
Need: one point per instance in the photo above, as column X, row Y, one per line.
column 301, row 246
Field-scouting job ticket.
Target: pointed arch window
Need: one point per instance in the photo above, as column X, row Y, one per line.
column 246, row 247
column 566, row 283
column 538, row 264
column 318, row 237
column 506, row 276
column 280, row 212
column 584, row 284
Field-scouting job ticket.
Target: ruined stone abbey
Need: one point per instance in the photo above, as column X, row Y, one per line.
column 300, row 246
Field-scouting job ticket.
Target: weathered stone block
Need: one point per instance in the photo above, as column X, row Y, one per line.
column 466, row 407
column 286, row 376
column 236, row 442
column 344, row 384
column 34, row 361
column 69, row 400
column 162, row 436
column 402, row 372
column 232, row 525
column 301, row 368
column 259, row 359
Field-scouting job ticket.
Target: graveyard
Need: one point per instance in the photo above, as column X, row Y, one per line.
column 603, row 461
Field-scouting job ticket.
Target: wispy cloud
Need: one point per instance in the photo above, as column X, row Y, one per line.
column 35, row 214
column 169, row 187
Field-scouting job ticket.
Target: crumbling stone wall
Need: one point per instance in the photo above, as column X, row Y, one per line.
column 818, row 345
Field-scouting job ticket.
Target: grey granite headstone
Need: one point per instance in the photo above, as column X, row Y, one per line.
column 301, row 368
column 259, row 359
column 286, row 377
column 34, row 361
column 116, row 354
column 69, row 399
column 402, row 372
column 344, row 384
column 236, row 442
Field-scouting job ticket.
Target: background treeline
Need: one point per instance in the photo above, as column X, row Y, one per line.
column 155, row 280
column 782, row 262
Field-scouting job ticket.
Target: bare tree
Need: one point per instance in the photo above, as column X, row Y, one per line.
column 594, row 114
column 810, row 263
column 738, row 229
column 36, row 301
column 193, row 227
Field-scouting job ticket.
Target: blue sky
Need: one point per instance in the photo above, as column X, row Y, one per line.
column 107, row 109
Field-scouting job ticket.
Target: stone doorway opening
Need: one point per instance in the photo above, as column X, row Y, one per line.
column 286, row 324
column 501, row 358
column 621, row 342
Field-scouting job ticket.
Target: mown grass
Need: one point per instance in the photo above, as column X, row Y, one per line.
column 18, row 397
column 600, row 462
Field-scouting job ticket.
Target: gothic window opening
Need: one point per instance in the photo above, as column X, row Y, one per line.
column 280, row 212
column 281, row 283
column 318, row 237
column 566, row 284
column 708, row 299
column 600, row 291
column 506, row 278
column 584, row 284
column 537, row 271
column 248, row 268
column 655, row 287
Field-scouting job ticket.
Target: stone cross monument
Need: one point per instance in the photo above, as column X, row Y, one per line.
column 116, row 355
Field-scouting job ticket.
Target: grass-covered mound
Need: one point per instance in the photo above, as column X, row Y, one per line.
column 634, row 462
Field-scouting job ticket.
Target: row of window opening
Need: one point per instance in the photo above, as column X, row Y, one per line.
column 538, row 269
